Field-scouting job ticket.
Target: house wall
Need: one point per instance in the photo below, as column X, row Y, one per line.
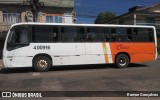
column 41, row 18
column 127, row 20
column 1, row 16
column 66, row 12
column 124, row 21
column 157, row 20
column 142, row 18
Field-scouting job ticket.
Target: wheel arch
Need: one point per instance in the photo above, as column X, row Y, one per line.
column 42, row 54
column 123, row 53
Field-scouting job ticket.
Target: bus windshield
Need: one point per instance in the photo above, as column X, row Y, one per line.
column 18, row 37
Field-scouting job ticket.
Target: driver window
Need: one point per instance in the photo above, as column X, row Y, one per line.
column 18, row 37
column 21, row 36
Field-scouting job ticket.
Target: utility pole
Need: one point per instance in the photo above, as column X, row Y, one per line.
column 35, row 4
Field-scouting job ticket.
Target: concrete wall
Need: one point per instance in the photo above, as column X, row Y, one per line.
column 128, row 20
column 124, row 20
column 41, row 18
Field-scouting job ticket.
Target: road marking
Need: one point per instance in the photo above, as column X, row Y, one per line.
column 36, row 74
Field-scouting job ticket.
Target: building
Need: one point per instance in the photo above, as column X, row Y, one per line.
column 140, row 15
column 50, row 11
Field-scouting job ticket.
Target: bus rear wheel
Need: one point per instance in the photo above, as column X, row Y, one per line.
column 122, row 61
column 42, row 64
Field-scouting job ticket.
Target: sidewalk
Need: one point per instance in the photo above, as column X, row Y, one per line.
column 1, row 63
column 158, row 57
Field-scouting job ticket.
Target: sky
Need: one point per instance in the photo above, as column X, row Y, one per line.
column 87, row 10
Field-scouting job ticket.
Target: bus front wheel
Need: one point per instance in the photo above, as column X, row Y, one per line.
column 42, row 64
column 122, row 61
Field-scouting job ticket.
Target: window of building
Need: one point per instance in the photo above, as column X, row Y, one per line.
column 54, row 19
column 150, row 20
column 11, row 17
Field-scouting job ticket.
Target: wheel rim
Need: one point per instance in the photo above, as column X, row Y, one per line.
column 43, row 64
column 122, row 61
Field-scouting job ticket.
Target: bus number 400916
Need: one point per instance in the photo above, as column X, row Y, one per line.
column 42, row 47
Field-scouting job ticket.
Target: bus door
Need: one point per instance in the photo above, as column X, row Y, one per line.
column 17, row 46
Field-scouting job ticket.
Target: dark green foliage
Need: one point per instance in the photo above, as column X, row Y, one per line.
column 104, row 17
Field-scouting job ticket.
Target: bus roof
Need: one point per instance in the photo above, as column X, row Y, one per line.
column 95, row 25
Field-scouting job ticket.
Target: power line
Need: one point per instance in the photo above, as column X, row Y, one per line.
column 86, row 16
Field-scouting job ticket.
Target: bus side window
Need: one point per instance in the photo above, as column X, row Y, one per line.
column 143, row 35
column 113, row 34
column 135, row 32
column 151, row 35
column 81, row 34
column 134, row 35
column 42, row 33
column 129, row 34
column 89, row 35
column 69, row 34
column 62, row 34
column 55, row 34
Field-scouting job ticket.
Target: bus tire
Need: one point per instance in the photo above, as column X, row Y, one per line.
column 42, row 64
column 122, row 61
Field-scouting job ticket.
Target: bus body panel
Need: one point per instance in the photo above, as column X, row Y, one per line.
column 98, row 49
column 138, row 52
column 80, row 53
column 88, row 53
column 63, row 54
column 58, row 49
column 16, row 57
column 74, row 53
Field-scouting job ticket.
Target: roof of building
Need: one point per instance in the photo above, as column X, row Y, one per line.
column 142, row 10
column 52, row 3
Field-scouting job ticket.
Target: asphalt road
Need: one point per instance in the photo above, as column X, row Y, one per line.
column 137, row 77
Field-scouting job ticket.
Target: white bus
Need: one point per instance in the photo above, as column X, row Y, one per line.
column 42, row 45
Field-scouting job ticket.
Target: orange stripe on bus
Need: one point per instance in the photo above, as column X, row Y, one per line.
column 105, row 50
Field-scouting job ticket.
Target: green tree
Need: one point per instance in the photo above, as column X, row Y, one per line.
column 104, row 17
